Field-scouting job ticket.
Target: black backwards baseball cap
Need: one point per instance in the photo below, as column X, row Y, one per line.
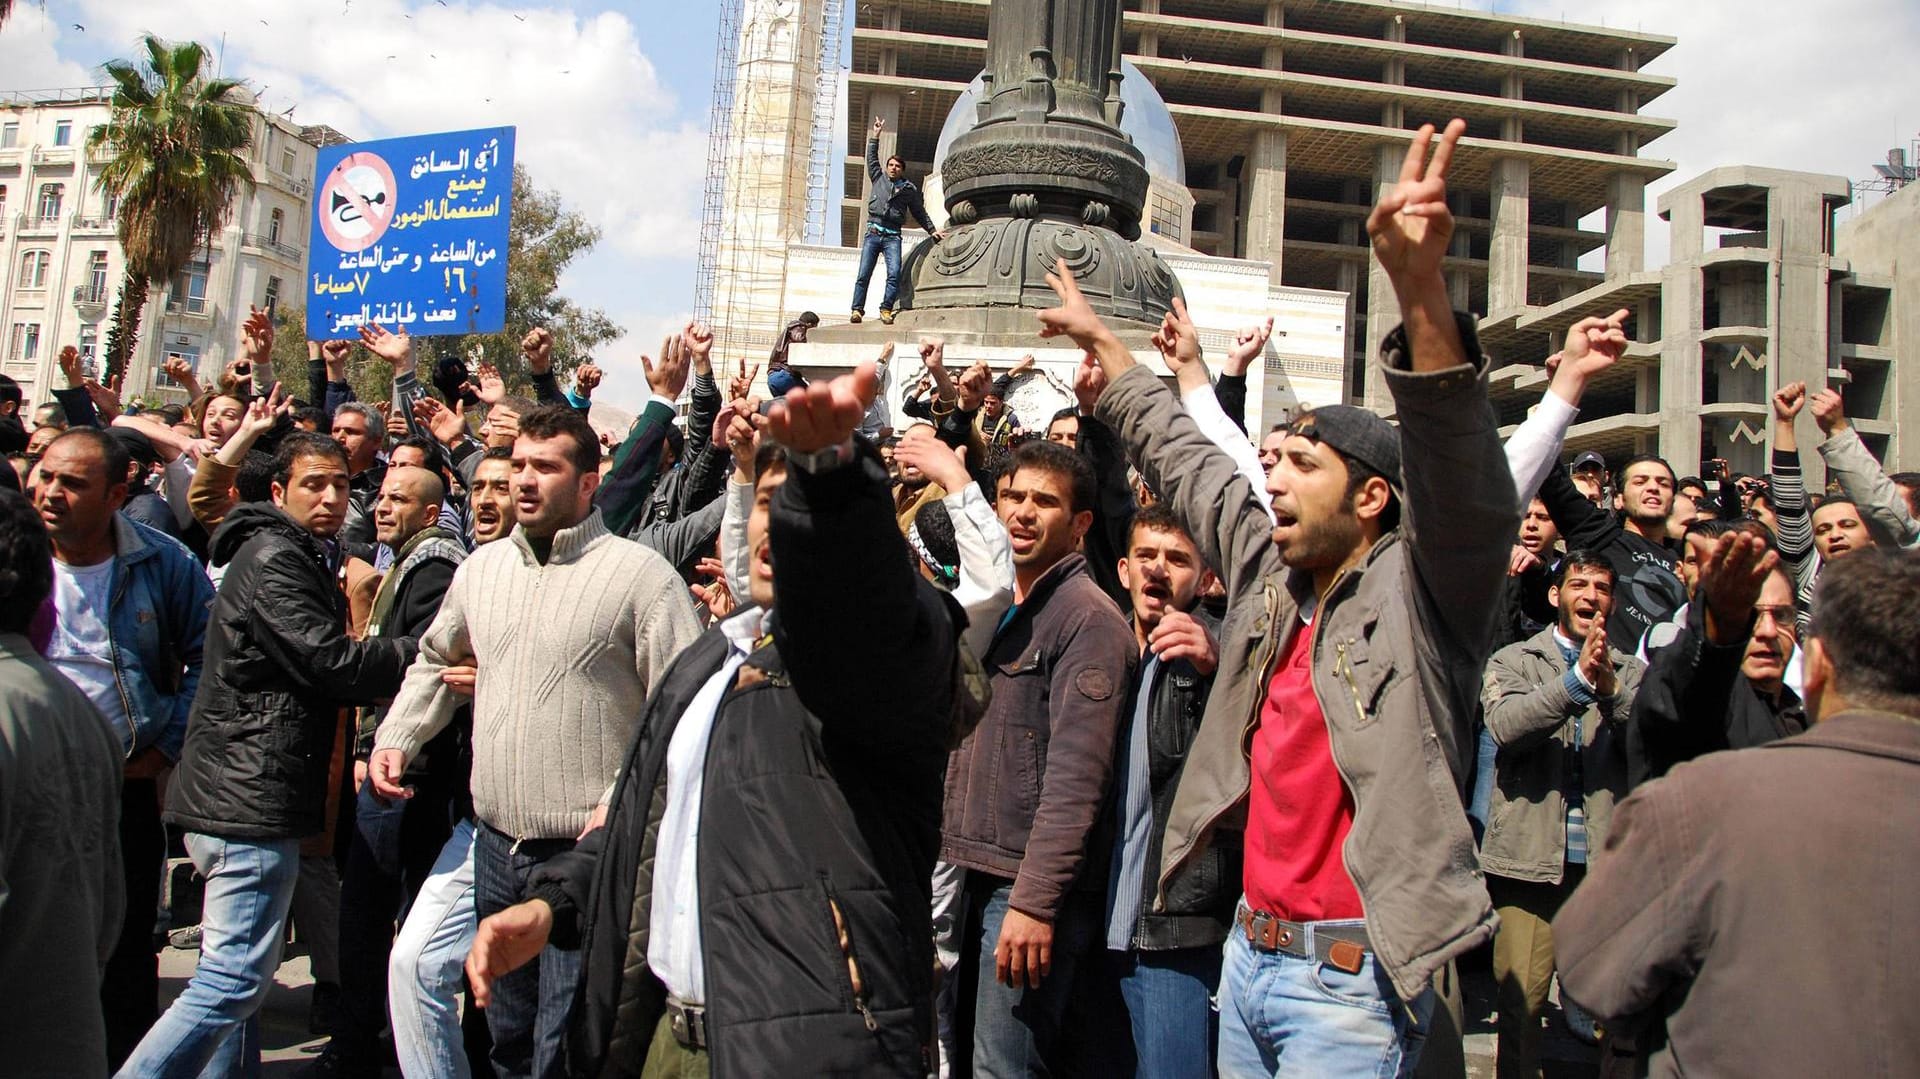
column 1357, row 433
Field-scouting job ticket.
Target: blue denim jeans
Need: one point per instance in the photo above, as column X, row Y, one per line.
column 1169, row 999
column 1284, row 1015
column 528, row 1012
column 1026, row 1032
column 887, row 245
column 424, row 975
column 212, row 1029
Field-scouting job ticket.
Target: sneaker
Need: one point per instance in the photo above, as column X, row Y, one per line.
column 886, row 316
column 855, row 317
column 323, row 1012
column 187, row 939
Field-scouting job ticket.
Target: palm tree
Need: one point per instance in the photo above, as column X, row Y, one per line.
column 178, row 143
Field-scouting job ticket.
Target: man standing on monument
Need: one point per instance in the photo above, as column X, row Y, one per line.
column 892, row 198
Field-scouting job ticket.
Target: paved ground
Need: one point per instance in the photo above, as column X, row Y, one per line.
column 289, row 1045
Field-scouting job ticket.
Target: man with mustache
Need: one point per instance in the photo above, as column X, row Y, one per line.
column 1721, row 684
column 1556, row 705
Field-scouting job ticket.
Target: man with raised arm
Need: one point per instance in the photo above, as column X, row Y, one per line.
column 1360, row 617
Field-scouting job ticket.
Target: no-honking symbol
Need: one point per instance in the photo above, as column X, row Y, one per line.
column 357, row 201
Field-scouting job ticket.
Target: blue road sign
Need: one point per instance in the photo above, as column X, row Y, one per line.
column 411, row 233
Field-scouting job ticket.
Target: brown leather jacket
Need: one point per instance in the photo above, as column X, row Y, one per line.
column 1399, row 646
column 1026, row 789
column 1757, row 906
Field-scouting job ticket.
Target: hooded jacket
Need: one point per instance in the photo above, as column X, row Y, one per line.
column 278, row 665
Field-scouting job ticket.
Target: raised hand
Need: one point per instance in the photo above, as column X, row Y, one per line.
column 1733, row 567
column 445, row 424
column 72, row 368
column 263, row 413
column 1594, row 344
column 886, row 353
column 395, row 348
column 178, row 369
column 1248, row 345
column 1788, row 400
column 506, row 942
column 256, row 335
column 537, row 347
column 973, row 385
column 1181, row 636
column 879, row 124
column 586, row 378
column 698, row 340
column 823, row 415
column 1025, row 365
column 1074, row 318
column 335, row 354
column 490, row 387
column 106, row 399
column 743, row 424
column 715, row 594
column 668, row 377
column 1521, row 561
column 1411, row 225
column 1179, row 345
column 935, row 460
column 741, row 385
column 503, row 426
column 1829, row 411
column 933, row 353
column 1089, row 382
column 1596, row 666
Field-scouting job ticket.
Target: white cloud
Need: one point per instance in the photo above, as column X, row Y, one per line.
column 29, row 51
column 1825, row 87
column 594, row 120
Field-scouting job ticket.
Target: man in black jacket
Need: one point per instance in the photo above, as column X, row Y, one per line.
column 394, row 844
column 780, row 805
column 1167, row 961
column 892, row 198
column 252, row 776
column 1634, row 541
column 1721, row 684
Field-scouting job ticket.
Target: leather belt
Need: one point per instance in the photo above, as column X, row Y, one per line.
column 688, row 1023
column 1344, row 947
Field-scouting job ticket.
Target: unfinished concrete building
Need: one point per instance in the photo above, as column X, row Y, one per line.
column 1293, row 112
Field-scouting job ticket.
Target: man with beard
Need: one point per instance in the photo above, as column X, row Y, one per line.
column 1634, row 541
column 1721, row 684
column 1167, row 957
column 916, row 488
column 490, row 496
column 1557, row 706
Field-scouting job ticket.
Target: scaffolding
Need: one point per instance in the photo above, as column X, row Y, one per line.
column 769, row 155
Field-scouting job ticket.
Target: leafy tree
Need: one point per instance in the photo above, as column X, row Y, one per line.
column 177, row 143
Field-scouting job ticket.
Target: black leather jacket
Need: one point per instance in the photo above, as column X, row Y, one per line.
column 278, row 666
column 1200, row 897
column 820, row 806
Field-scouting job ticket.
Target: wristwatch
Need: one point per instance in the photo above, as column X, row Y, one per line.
column 821, row 460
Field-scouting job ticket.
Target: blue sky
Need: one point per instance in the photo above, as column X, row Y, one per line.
column 611, row 99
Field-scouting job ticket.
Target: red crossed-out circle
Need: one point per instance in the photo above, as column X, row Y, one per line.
column 357, row 201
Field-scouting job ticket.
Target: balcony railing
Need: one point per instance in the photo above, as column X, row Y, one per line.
column 95, row 295
column 53, row 155
column 92, row 224
column 254, row 239
column 192, row 305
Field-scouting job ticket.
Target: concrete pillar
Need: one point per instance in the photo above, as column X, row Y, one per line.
column 1383, row 309
column 1507, row 251
column 1626, row 224
column 1798, row 225
column 1394, row 73
column 1266, row 175
column 1149, row 39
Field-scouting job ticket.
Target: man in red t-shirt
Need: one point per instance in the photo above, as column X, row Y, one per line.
column 1359, row 620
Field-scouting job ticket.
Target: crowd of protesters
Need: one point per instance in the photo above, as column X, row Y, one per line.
column 792, row 742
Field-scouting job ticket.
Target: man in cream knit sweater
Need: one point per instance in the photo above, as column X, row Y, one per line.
column 570, row 628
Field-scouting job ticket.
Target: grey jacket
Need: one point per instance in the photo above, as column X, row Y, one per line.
column 1757, row 908
column 1399, row 646
column 1531, row 716
column 1882, row 508
column 890, row 204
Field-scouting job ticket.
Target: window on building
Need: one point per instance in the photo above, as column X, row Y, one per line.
column 50, row 196
column 110, row 205
column 97, row 276
column 3, row 204
column 272, row 300
column 89, row 344
column 274, row 222
column 190, row 288
column 63, row 133
column 287, row 161
column 25, row 344
column 33, row 269
column 9, row 136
